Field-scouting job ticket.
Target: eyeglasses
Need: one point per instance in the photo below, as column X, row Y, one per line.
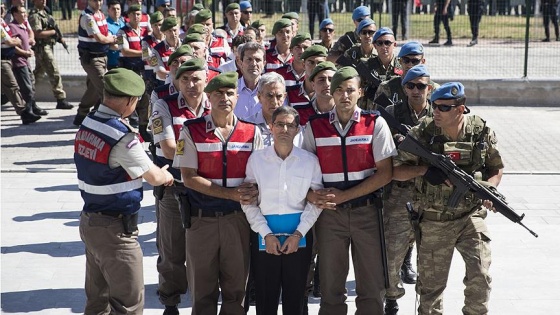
column 407, row 60
column 443, row 108
column 367, row 33
column 383, row 42
column 419, row 86
column 247, row 12
column 328, row 30
column 282, row 125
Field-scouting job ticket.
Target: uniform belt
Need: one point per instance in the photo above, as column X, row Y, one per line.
column 357, row 204
column 211, row 214
column 111, row 214
column 442, row 217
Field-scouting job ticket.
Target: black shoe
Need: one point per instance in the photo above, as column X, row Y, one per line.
column 391, row 307
column 78, row 119
column 546, row 40
column 473, row 42
column 63, row 104
column 38, row 110
column 29, row 118
column 171, row 310
column 4, row 99
column 434, row 41
column 449, row 42
column 408, row 275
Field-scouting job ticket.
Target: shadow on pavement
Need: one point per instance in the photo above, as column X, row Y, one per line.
column 47, row 143
column 44, row 299
column 49, row 161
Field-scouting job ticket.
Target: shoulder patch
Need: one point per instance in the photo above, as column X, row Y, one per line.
column 157, row 125
column 180, row 148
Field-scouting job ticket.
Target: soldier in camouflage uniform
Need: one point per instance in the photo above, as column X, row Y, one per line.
column 385, row 63
column 363, row 50
column 349, row 38
column 473, row 147
column 43, row 26
column 410, row 55
column 399, row 235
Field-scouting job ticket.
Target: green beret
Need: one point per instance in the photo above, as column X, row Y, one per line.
column 156, row 17
column 183, row 50
column 197, row 28
column 168, row 24
column 299, row 38
column 314, row 50
column 226, row 79
column 291, row 16
column 193, row 38
column 280, row 24
column 197, row 6
column 203, row 15
column 341, row 75
column 232, row 6
column 123, row 82
column 195, row 64
column 134, row 8
column 257, row 24
column 325, row 65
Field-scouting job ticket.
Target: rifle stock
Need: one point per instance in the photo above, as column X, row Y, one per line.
column 58, row 34
column 462, row 181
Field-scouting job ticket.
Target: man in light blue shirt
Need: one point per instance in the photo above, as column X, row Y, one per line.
column 252, row 57
column 115, row 22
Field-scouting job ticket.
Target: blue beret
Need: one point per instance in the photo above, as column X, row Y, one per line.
column 243, row 5
column 159, row 3
column 359, row 12
column 325, row 22
column 415, row 72
column 411, row 48
column 381, row 32
column 364, row 23
column 450, row 90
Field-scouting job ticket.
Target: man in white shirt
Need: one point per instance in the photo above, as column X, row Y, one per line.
column 284, row 173
column 252, row 57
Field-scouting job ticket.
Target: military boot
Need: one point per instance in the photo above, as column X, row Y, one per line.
column 63, row 104
column 38, row 110
column 435, row 40
column 408, row 275
column 391, row 307
column 27, row 116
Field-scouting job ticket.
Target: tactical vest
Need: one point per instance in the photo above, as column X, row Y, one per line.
column 272, row 61
column 134, row 43
column 468, row 154
column 345, row 161
column 144, row 24
column 179, row 116
column 403, row 113
column 230, row 37
column 41, row 18
column 217, row 47
column 164, row 51
column 165, row 90
column 305, row 112
column 87, row 42
column 396, row 89
column 7, row 51
column 294, row 86
column 223, row 164
column 104, row 189
column 211, row 73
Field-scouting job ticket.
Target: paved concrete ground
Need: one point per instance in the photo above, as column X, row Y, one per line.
column 42, row 257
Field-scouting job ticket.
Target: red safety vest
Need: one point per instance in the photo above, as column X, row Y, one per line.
column 217, row 47
column 164, row 51
column 272, row 61
column 180, row 115
column 305, row 111
column 345, row 161
column 294, row 86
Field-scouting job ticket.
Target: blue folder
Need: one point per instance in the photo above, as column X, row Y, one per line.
column 282, row 225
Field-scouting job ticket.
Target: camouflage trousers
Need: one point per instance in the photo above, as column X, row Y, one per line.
column 469, row 235
column 399, row 236
column 45, row 63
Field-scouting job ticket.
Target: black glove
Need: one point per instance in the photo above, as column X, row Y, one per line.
column 435, row 176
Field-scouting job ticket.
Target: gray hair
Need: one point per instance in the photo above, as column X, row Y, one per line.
column 253, row 46
column 270, row 78
column 286, row 110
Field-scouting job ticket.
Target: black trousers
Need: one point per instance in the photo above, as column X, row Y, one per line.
column 549, row 14
column 315, row 9
column 286, row 274
column 399, row 8
column 476, row 9
column 26, row 83
column 439, row 18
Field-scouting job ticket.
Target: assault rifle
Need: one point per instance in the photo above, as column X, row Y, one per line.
column 371, row 77
column 462, row 181
column 52, row 24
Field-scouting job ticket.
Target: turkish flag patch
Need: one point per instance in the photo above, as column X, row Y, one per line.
column 455, row 156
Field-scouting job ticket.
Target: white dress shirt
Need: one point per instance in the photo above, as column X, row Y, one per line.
column 283, row 187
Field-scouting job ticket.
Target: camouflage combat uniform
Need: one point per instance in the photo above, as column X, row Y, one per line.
column 394, row 90
column 443, row 229
column 340, row 45
column 44, row 56
column 355, row 53
column 399, row 234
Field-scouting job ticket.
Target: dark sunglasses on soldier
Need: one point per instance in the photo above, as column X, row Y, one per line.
column 383, row 42
column 419, row 86
column 443, row 108
column 247, row 12
column 367, row 32
column 328, row 30
column 407, row 60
